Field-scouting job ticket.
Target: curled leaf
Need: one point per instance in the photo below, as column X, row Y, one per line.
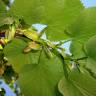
column 10, row 33
column 32, row 46
column 31, row 34
column 48, row 52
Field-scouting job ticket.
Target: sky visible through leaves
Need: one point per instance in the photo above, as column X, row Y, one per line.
column 89, row 3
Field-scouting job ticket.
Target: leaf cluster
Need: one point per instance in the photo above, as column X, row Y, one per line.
column 44, row 67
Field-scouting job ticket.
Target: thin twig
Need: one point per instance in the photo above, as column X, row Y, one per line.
column 40, row 55
column 63, row 63
column 82, row 58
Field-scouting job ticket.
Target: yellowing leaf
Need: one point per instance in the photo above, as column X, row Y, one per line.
column 1, row 47
column 31, row 34
column 10, row 33
column 3, row 41
column 32, row 46
column 6, row 20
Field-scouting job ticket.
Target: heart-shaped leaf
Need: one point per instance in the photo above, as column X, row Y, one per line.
column 14, row 52
column 41, row 79
column 90, row 49
column 56, row 14
column 78, row 84
column 82, row 29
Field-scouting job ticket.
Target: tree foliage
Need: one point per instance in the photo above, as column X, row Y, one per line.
column 44, row 67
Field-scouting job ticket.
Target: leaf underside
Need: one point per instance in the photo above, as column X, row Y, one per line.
column 82, row 30
column 56, row 14
column 78, row 84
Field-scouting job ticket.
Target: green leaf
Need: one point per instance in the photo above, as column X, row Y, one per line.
column 2, row 11
column 41, row 79
column 2, row 7
column 82, row 29
column 77, row 53
column 6, row 2
column 90, row 49
column 78, row 84
column 56, row 14
column 91, row 66
column 14, row 52
column 35, row 79
column 6, row 21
